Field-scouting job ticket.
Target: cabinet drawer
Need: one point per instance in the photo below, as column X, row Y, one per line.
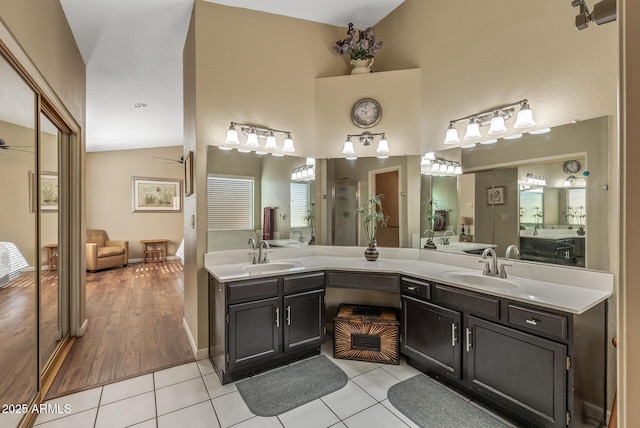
column 297, row 283
column 416, row 288
column 251, row 290
column 468, row 302
column 363, row 281
column 543, row 322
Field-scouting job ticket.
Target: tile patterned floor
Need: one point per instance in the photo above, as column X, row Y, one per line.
column 191, row 396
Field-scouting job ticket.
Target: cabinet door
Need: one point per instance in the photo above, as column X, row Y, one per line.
column 303, row 320
column 253, row 331
column 524, row 373
column 431, row 335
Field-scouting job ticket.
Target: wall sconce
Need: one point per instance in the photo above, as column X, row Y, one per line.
column 569, row 181
column 536, row 180
column 305, row 172
column 494, row 118
column 366, row 138
column 253, row 134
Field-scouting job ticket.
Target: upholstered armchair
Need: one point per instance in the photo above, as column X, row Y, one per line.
column 103, row 253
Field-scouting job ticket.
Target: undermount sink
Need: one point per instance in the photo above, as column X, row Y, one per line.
column 479, row 279
column 271, row 267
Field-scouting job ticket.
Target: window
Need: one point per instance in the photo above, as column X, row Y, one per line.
column 230, row 203
column 299, row 204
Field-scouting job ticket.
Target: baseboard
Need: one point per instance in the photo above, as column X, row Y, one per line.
column 592, row 414
column 82, row 328
column 200, row 354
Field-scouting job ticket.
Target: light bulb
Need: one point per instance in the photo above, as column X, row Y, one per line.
column 252, row 138
column 450, row 168
column 271, row 141
column 524, row 119
column 383, row 146
column 473, row 130
column 287, row 145
column 497, row 124
column 348, row 148
column 457, row 170
column 452, row 135
column 293, row 175
column 232, row 135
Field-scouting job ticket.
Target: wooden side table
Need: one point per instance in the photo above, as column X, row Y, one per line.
column 155, row 250
column 52, row 256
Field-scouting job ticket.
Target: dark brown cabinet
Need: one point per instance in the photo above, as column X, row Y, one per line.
column 262, row 323
column 536, row 366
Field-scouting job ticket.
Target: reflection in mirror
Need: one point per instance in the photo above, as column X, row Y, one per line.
column 51, row 325
column 18, row 252
column 396, row 177
column 247, row 191
column 573, row 160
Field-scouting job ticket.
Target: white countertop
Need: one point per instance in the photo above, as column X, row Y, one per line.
column 570, row 290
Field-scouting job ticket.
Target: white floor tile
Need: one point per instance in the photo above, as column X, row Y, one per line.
column 77, row 420
column 374, row 417
column 403, row 371
column 215, row 388
column 338, row 425
column 348, row 400
column 376, row 382
column 403, row 418
column 176, row 374
column 78, row 402
column 181, row 395
column 126, row 388
column 260, row 422
column 314, row 414
column 10, row 419
column 127, row 412
column 197, row 416
column 231, row 409
column 151, row 423
column 205, row 367
column 354, row 368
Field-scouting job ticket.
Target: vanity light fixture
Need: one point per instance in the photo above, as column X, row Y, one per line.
column 494, row 118
column 537, row 180
column 436, row 166
column 305, row 172
column 569, row 181
column 366, row 138
column 253, row 134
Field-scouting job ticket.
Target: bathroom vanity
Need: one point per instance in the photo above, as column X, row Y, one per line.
column 533, row 350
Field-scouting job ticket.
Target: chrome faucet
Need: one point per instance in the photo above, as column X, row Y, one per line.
column 490, row 269
column 299, row 233
column 262, row 255
column 445, row 237
column 252, row 241
column 511, row 249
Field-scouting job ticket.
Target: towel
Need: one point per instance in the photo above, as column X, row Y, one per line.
column 268, row 223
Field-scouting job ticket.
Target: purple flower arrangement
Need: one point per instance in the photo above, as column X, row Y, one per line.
column 359, row 44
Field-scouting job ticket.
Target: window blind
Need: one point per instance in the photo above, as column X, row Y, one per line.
column 230, row 203
column 299, row 204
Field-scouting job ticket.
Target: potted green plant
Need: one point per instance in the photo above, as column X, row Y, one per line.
column 371, row 216
column 360, row 45
column 432, row 217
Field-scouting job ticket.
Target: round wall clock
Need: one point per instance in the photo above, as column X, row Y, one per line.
column 571, row 166
column 366, row 113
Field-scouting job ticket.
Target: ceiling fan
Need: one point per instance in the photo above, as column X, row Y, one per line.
column 180, row 161
column 4, row 146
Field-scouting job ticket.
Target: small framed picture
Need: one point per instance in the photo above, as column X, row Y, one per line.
column 495, row 195
column 156, row 195
column 48, row 191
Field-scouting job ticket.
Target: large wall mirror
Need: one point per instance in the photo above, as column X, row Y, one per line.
column 545, row 194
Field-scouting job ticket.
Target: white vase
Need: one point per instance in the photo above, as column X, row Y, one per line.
column 361, row 66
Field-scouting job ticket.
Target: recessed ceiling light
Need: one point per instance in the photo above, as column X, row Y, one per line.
column 140, row 105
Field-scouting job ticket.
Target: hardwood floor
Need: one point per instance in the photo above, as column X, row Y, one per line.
column 135, row 327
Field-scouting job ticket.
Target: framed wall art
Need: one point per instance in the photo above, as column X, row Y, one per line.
column 162, row 195
column 49, row 194
column 495, row 195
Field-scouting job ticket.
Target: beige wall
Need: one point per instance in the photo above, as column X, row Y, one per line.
column 109, row 196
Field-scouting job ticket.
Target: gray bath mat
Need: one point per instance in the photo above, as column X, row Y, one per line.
column 430, row 404
column 281, row 390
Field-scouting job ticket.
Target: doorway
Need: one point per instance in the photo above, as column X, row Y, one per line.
column 387, row 183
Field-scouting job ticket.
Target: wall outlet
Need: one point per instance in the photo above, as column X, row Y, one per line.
column 506, row 216
column 470, row 206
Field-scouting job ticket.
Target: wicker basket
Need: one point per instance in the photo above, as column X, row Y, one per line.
column 366, row 333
